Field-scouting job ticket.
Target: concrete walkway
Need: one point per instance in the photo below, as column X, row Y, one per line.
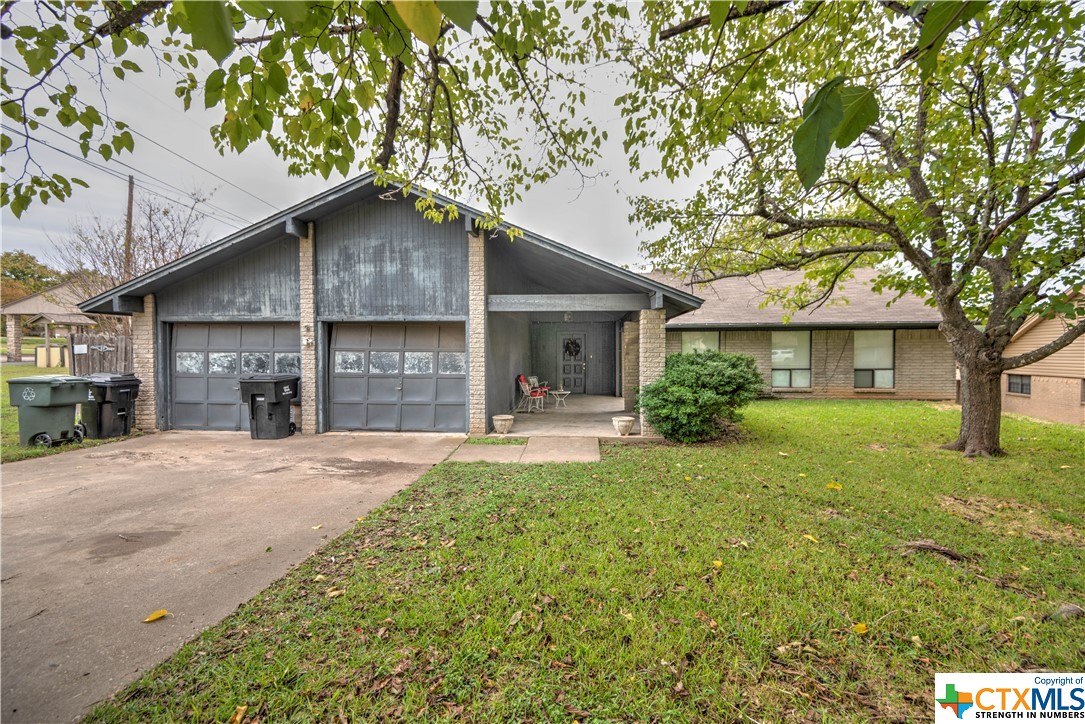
column 537, row 450
column 197, row 523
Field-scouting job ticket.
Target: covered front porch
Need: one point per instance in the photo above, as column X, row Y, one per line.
column 576, row 323
column 580, row 416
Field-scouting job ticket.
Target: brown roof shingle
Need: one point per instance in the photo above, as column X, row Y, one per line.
column 736, row 302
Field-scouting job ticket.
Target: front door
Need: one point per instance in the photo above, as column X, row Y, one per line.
column 573, row 362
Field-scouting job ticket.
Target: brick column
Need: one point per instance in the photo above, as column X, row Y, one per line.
column 144, row 365
column 630, row 364
column 653, row 352
column 306, row 268
column 15, row 337
column 477, row 424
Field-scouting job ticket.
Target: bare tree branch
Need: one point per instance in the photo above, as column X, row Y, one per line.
column 1035, row 355
column 753, row 8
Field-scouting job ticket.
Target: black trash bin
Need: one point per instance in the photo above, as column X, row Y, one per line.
column 111, row 404
column 268, row 398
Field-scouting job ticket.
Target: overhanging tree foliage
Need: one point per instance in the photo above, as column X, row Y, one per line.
column 421, row 92
column 838, row 143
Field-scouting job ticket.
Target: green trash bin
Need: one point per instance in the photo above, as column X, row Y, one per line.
column 47, row 408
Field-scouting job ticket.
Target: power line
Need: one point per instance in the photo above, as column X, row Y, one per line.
column 119, row 175
column 160, row 145
column 164, row 184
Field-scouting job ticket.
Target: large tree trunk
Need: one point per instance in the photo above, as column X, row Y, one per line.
column 981, row 408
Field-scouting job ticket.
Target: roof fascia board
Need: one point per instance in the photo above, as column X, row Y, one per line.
column 777, row 326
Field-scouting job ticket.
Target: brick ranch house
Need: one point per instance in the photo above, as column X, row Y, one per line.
column 859, row 349
column 1053, row 388
column 392, row 322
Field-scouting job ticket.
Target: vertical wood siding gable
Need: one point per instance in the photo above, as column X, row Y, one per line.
column 259, row 285
column 384, row 260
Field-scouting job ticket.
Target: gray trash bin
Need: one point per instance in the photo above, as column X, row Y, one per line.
column 110, row 405
column 268, row 397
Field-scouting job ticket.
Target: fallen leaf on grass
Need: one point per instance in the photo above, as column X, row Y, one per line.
column 783, row 454
column 802, row 475
column 239, row 715
column 448, row 543
column 334, row 592
column 515, row 619
column 706, row 620
column 834, row 485
column 809, row 537
column 160, row 613
column 717, row 564
column 320, row 577
column 860, row 628
column 1065, row 467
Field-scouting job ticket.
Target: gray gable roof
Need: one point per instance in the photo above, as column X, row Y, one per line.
column 736, row 302
column 292, row 221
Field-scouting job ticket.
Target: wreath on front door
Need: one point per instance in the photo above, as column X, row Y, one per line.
column 572, row 348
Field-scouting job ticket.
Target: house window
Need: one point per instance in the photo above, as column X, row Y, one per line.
column 874, row 359
column 790, row 359
column 1020, row 384
column 701, row 341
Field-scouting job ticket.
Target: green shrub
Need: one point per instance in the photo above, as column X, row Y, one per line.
column 698, row 392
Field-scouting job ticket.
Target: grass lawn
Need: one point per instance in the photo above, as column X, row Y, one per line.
column 10, row 449
column 754, row 580
column 29, row 343
column 496, row 441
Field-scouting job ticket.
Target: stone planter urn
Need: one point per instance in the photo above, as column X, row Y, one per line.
column 623, row 425
column 502, row 424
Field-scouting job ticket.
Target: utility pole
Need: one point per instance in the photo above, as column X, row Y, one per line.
column 128, row 230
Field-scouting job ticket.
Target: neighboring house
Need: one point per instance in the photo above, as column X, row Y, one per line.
column 392, row 322
column 55, row 307
column 1054, row 387
column 859, row 349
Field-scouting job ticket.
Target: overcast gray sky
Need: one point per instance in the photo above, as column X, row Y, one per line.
column 593, row 219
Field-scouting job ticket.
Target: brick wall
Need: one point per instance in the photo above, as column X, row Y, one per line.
column 144, row 363
column 923, row 365
column 653, row 352
column 306, row 269
column 15, row 337
column 926, row 369
column 674, row 343
column 630, row 363
column 476, row 335
column 756, row 344
column 1052, row 398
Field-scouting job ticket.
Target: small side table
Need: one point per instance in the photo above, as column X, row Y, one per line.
column 559, row 397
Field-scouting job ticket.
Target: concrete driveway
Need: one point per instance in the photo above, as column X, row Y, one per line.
column 95, row 540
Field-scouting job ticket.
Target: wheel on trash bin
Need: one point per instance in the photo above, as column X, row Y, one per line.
column 42, row 439
column 79, row 434
column 293, row 428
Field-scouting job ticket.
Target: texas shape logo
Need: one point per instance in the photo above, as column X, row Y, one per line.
column 956, row 701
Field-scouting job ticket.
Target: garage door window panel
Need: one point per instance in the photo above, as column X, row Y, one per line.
column 189, row 363
column 255, row 363
column 418, row 363
column 347, row 363
column 384, row 363
column 288, row 363
column 222, row 363
column 452, row 363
